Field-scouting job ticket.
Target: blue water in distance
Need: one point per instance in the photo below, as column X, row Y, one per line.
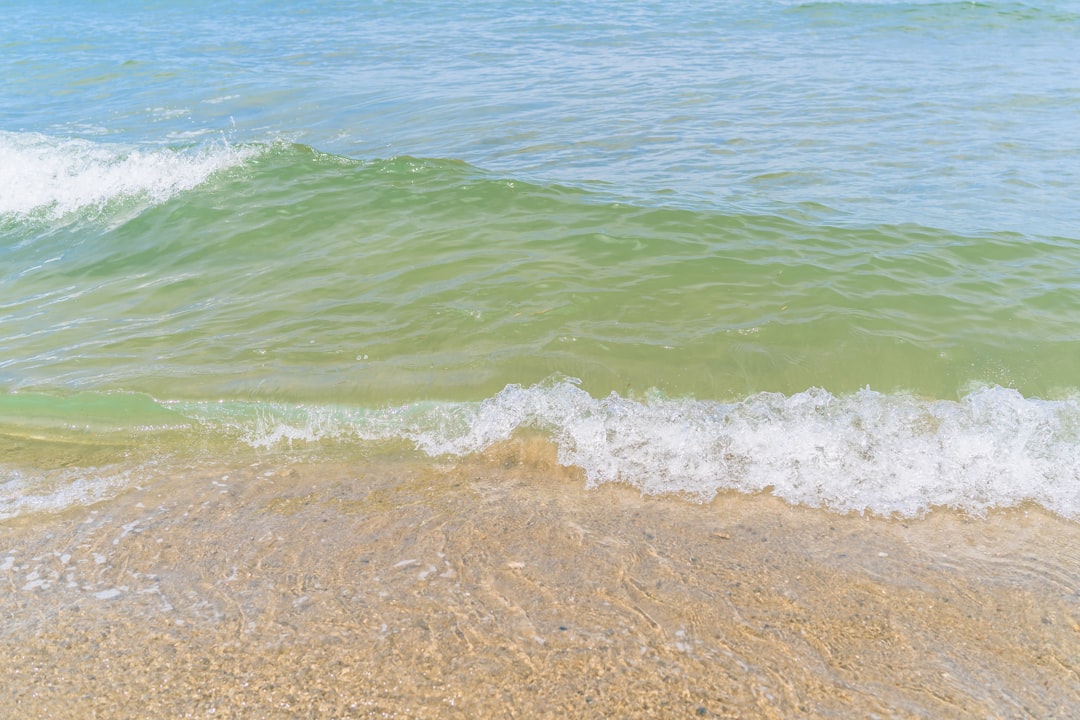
column 956, row 115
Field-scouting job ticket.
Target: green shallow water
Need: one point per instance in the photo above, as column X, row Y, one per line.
column 824, row 250
column 300, row 276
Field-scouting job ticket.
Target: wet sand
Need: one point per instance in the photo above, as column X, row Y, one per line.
column 499, row 586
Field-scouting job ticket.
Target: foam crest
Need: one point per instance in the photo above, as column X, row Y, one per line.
column 51, row 177
column 863, row 452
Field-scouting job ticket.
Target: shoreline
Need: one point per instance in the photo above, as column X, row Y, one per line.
column 498, row 584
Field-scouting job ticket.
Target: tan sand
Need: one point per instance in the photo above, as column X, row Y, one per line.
column 500, row 587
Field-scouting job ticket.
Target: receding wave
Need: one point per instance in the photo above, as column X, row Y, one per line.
column 57, row 490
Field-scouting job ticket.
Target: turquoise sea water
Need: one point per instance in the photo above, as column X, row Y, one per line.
column 826, row 250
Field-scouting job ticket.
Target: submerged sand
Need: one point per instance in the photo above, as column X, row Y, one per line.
column 499, row 586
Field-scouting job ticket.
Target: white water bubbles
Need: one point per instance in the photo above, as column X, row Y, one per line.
column 863, row 452
column 866, row 452
column 44, row 177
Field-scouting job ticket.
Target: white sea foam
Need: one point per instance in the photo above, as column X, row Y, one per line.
column 49, row 177
column 22, row 493
column 864, row 452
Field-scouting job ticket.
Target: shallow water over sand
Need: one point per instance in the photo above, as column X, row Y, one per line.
column 498, row 585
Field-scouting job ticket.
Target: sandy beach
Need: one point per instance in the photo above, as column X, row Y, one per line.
column 498, row 586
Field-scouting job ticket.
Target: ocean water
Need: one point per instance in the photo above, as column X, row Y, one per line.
column 827, row 250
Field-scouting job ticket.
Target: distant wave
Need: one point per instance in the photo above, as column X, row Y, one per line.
column 48, row 178
column 991, row 14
